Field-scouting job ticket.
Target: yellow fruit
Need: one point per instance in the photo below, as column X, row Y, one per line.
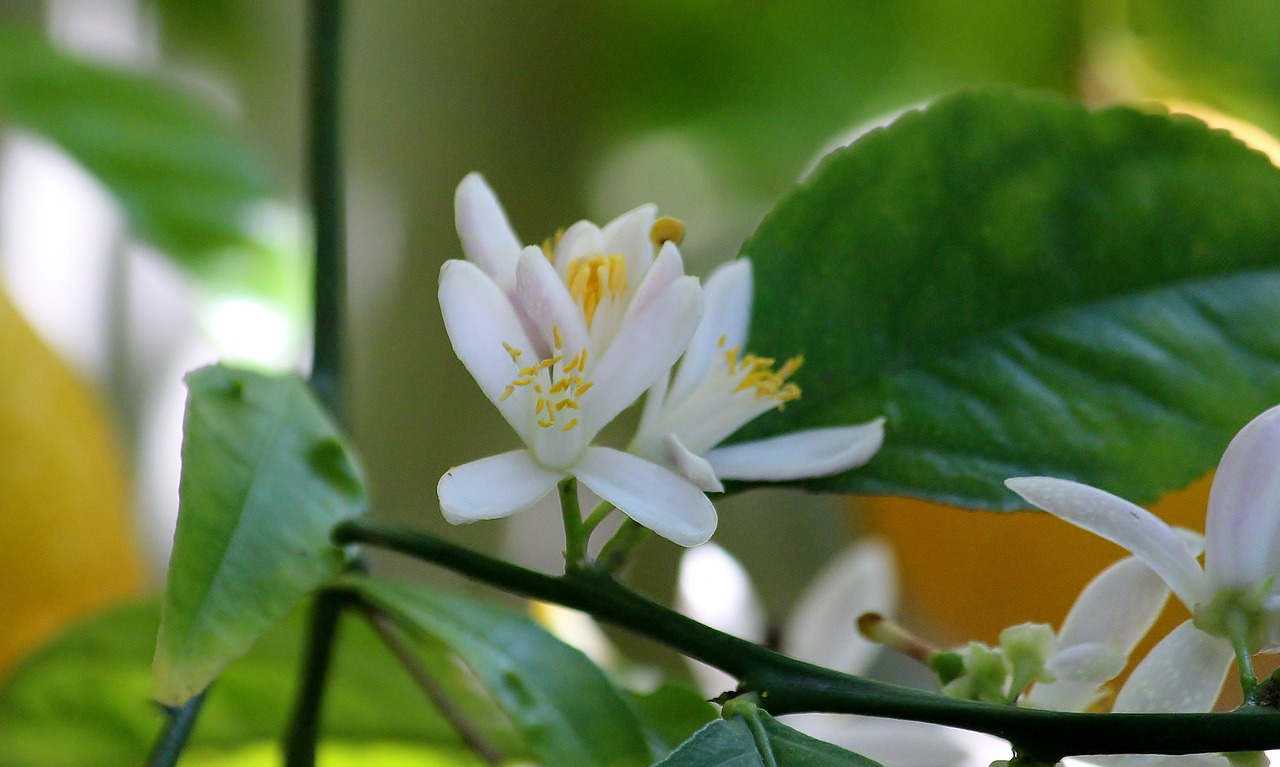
column 66, row 547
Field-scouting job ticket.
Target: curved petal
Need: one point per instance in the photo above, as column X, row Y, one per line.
column 487, row 237
column 547, row 303
column 1182, row 674
column 727, row 295
column 1243, row 520
column 712, row 587
column 691, row 466
column 822, row 628
column 581, row 239
column 1133, row 527
column 494, row 487
column 666, row 269
column 628, row 234
column 647, row 345
column 479, row 319
column 657, row 498
column 809, row 453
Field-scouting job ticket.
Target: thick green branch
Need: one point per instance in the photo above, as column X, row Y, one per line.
column 786, row 685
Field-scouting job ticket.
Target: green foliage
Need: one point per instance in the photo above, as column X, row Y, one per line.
column 265, row 475
column 1023, row 287
column 671, row 714
column 82, row 700
column 568, row 711
column 185, row 182
column 729, row 743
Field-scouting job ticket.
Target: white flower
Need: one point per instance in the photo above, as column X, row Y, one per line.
column 718, row 388
column 714, row 589
column 561, row 349
column 1235, row 594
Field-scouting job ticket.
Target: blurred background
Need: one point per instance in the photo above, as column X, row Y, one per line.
column 710, row 108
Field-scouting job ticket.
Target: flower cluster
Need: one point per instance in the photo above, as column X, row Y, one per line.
column 564, row 336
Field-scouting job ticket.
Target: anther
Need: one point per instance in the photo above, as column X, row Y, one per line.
column 666, row 229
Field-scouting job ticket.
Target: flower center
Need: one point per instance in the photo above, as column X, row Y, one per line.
column 557, row 384
column 758, row 373
column 592, row 278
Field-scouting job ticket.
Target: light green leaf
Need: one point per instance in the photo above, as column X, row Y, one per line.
column 568, row 711
column 81, row 701
column 671, row 714
column 186, row 183
column 1023, row 287
column 729, row 743
column 265, row 476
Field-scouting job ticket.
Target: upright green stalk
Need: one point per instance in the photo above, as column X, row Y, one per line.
column 327, row 210
column 177, row 729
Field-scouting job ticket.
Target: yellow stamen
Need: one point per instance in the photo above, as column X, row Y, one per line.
column 569, row 425
column 513, row 351
column 593, row 278
column 550, row 244
column 759, row 374
column 584, row 388
column 666, row 229
column 555, row 331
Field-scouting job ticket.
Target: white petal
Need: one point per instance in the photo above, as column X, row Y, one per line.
column 712, row 587
column 581, row 239
column 809, row 453
column 479, row 318
column 494, row 487
column 1243, row 520
column 668, row 267
column 822, row 628
column 727, row 293
column 628, row 234
column 647, row 345
column 1116, row 609
column 1182, row 674
column 1133, row 527
column 657, row 498
column 486, row 234
column 547, row 303
column 691, row 466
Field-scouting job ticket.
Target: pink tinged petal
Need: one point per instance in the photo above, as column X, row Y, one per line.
column 822, row 628
column 580, row 239
column 486, row 234
column 1123, row 523
column 657, row 498
column 668, row 267
column 691, row 466
column 1243, row 519
column 645, row 348
column 628, row 234
column 810, row 453
column 727, row 294
column 479, row 319
column 1182, row 674
column 712, row 587
column 494, row 487
column 546, row 302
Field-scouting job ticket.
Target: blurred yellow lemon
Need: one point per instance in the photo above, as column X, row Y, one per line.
column 968, row 574
column 66, row 547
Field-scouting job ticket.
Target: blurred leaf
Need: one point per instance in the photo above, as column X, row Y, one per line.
column 265, row 475
column 729, row 743
column 671, row 714
column 186, row 183
column 1023, row 287
column 567, row 709
column 82, row 700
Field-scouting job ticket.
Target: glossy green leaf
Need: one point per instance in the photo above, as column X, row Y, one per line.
column 568, row 711
column 730, row 743
column 186, row 183
column 1023, row 287
column 265, row 475
column 82, row 700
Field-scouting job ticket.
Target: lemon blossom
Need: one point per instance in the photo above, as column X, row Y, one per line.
column 718, row 388
column 1234, row 597
column 561, row 348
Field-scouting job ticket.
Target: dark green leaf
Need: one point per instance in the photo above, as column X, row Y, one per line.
column 1024, row 287
column 567, row 709
column 82, row 700
column 186, row 183
column 729, row 743
column 671, row 714
column 265, row 475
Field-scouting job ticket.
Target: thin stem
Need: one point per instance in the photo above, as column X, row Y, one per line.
column 786, row 685
column 597, row 515
column 394, row 640
column 575, row 535
column 304, row 725
column 617, row 550
column 177, row 728
column 1238, row 627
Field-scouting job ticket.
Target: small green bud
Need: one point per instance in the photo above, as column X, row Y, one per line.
column 984, row 678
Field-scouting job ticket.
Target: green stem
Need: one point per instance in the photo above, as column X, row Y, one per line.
column 615, row 552
column 177, row 728
column 304, row 725
column 1238, row 628
column 763, row 746
column 597, row 515
column 786, row 685
column 575, row 533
